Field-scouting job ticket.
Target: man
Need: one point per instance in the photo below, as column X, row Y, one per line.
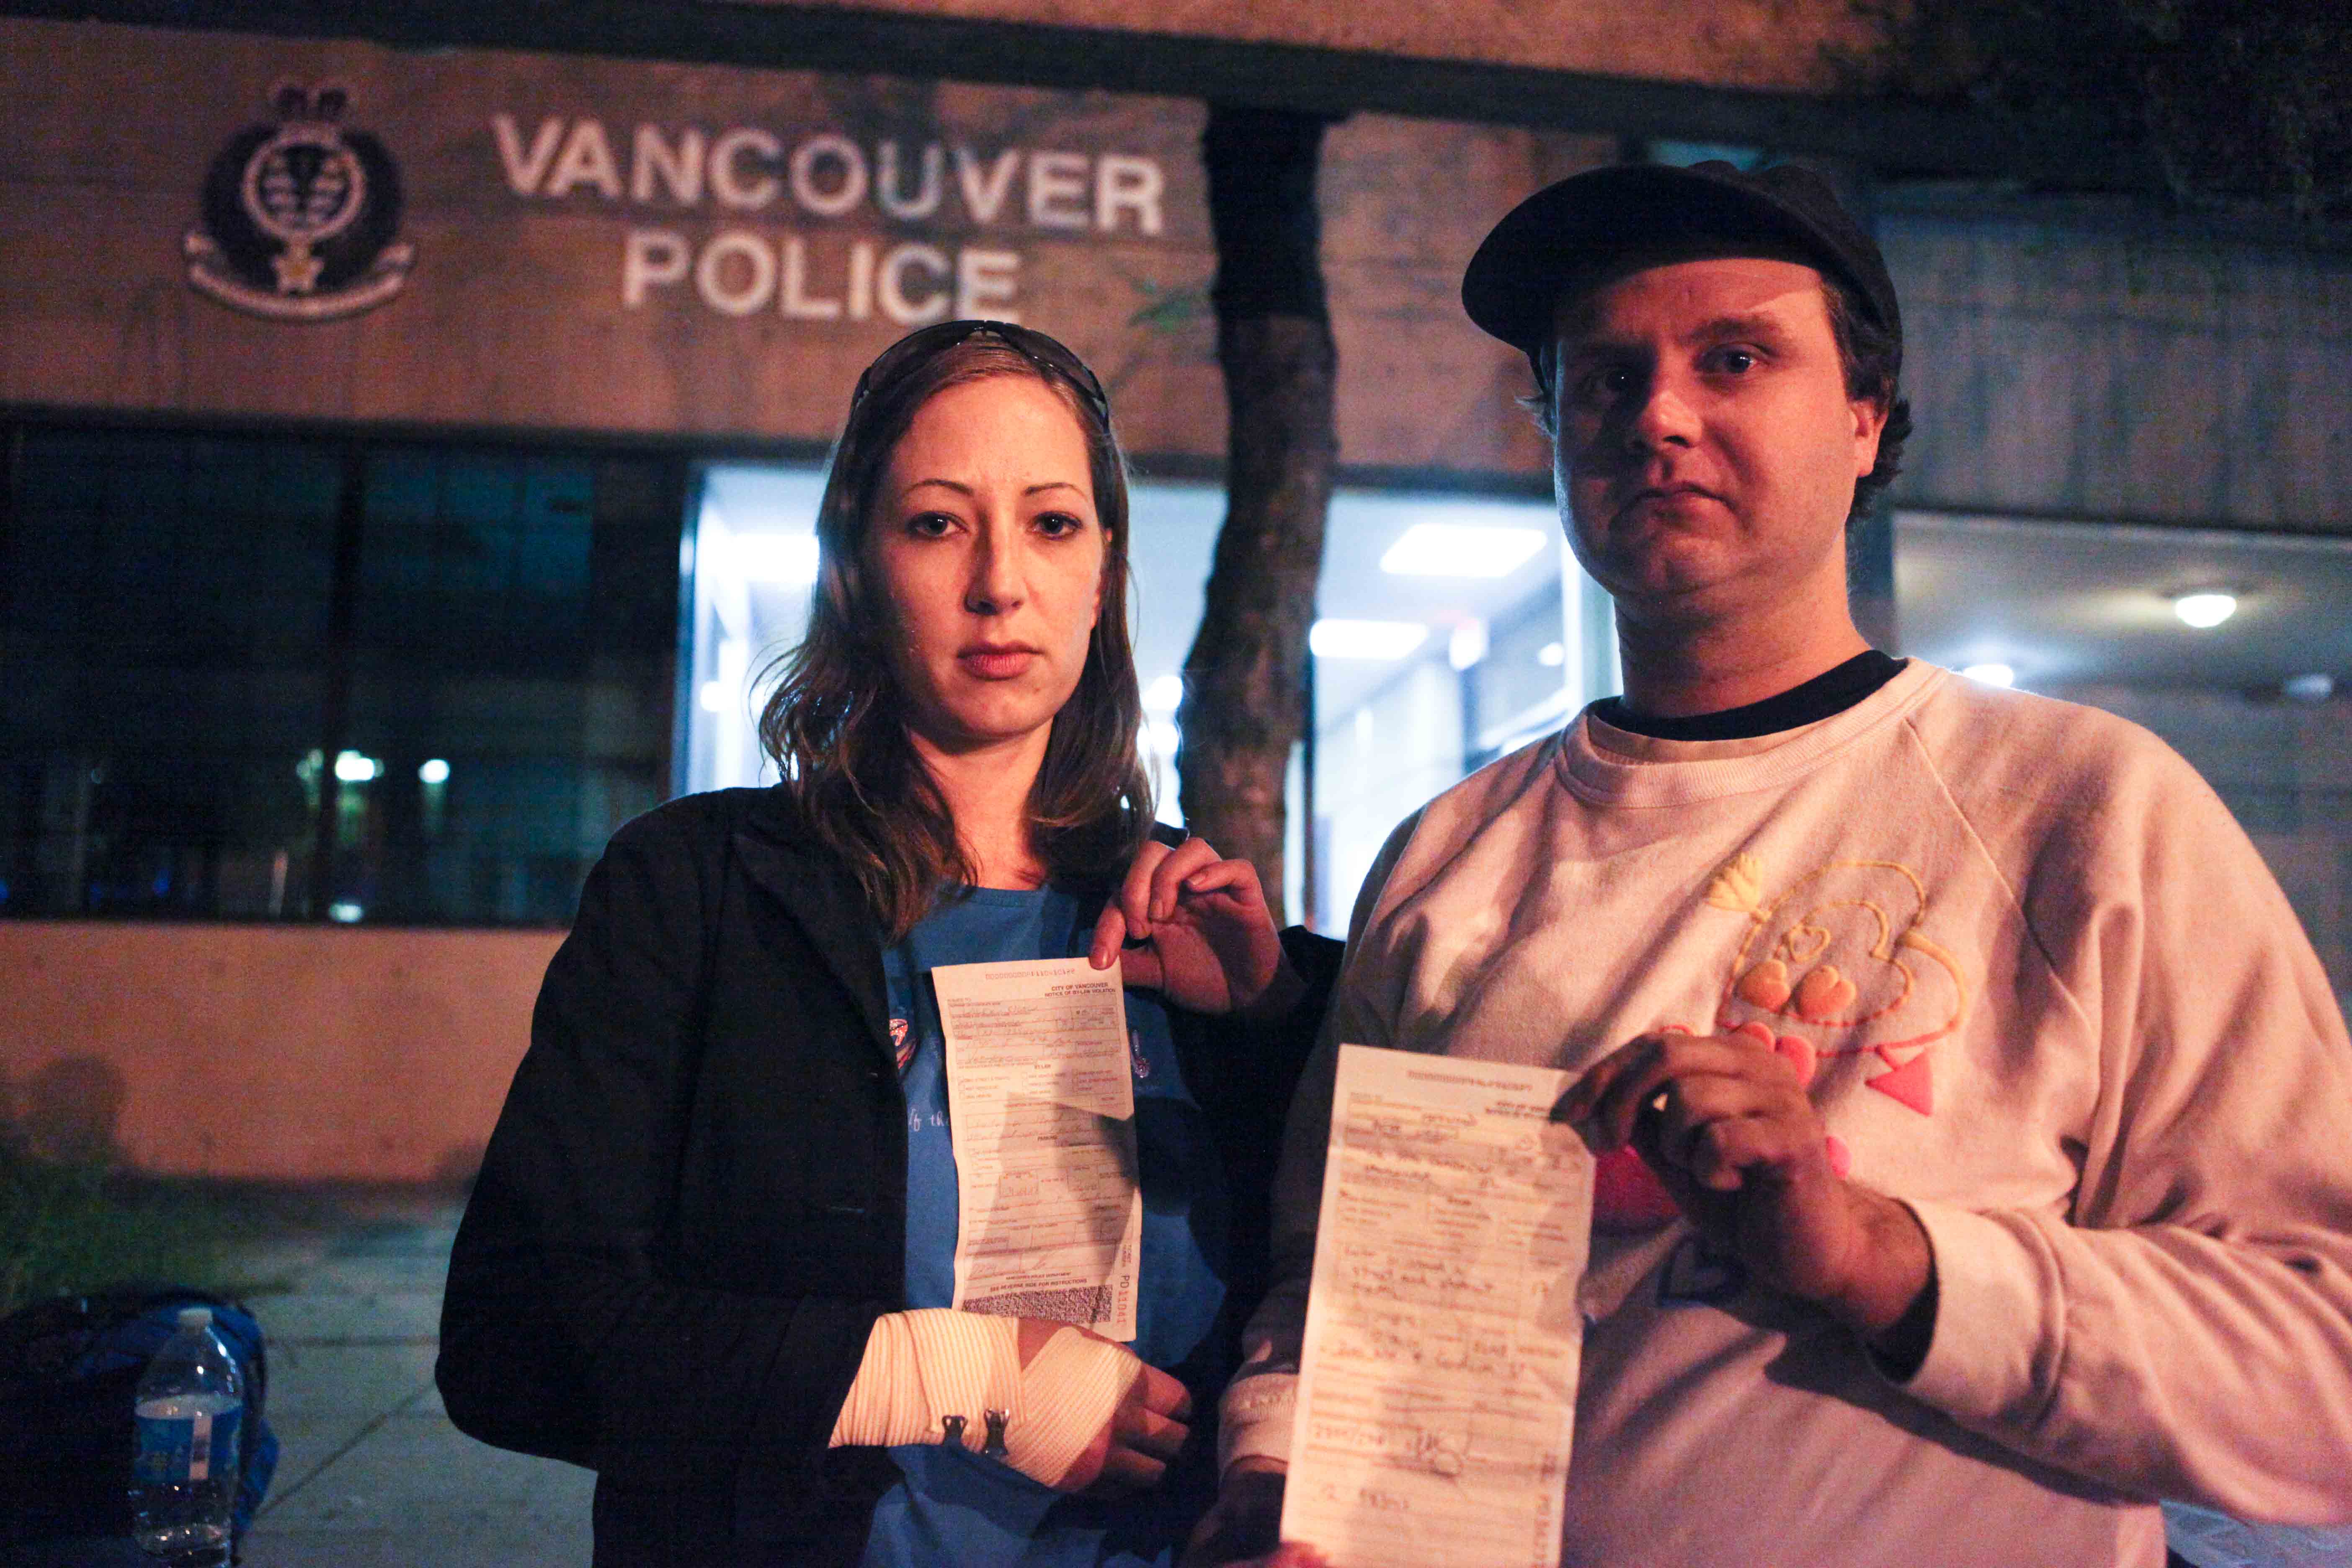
column 1991, row 1118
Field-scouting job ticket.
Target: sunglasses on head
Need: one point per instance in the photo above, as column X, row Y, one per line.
column 1035, row 346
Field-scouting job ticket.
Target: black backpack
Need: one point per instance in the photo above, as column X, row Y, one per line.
column 69, row 1368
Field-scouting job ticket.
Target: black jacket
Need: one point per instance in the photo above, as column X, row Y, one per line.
column 694, row 1205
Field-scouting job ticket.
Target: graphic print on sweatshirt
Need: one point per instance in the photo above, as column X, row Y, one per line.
column 1833, row 963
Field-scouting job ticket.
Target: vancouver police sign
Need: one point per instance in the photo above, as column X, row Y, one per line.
column 797, row 240
column 298, row 218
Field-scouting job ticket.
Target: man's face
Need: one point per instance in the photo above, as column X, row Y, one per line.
column 1707, row 449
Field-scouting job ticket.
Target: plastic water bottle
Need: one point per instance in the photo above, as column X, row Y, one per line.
column 183, row 1479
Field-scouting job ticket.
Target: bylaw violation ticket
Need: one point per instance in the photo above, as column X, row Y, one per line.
column 1041, row 1097
column 1437, row 1394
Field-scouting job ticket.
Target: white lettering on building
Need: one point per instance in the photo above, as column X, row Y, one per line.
column 652, row 257
column 1057, row 190
column 525, row 168
column 727, row 181
column 986, row 282
column 677, row 165
column 1124, row 183
column 739, row 271
column 794, row 299
column 827, row 175
column 741, row 289
column 586, row 160
column 846, row 179
column 890, row 286
column 893, row 197
column 983, row 194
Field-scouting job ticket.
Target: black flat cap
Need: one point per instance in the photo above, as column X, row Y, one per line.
column 1570, row 231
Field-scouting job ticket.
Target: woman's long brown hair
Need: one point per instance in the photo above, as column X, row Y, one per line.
column 835, row 723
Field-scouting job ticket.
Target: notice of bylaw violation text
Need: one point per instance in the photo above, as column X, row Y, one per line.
column 1437, row 1391
column 1041, row 1097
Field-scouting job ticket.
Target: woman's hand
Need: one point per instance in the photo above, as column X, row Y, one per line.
column 1133, row 1449
column 1207, row 942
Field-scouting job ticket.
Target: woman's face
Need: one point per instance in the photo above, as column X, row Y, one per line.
column 983, row 539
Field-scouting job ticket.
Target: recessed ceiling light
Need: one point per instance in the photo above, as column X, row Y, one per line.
column 1462, row 550
column 1164, row 695
column 1991, row 674
column 433, row 771
column 2206, row 608
column 1551, row 656
column 1365, row 639
column 1467, row 646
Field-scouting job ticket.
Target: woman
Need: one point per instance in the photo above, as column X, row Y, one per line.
column 712, row 1241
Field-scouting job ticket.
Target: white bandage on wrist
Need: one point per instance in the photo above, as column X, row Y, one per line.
column 1255, row 1421
column 1069, row 1391
column 923, row 1366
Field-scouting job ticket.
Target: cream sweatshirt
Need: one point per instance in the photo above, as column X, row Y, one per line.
column 2058, row 1006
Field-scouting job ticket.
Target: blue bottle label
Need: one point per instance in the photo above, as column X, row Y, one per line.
column 182, row 1442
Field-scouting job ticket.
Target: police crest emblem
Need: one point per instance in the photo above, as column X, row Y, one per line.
column 299, row 217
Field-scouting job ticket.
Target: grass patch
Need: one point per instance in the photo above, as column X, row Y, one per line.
column 76, row 1227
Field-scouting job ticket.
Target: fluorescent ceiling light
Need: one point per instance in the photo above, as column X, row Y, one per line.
column 353, row 768
column 789, row 559
column 2317, row 687
column 1467, row 645
column 1365, row 639
column 1164, row 695
column 1991, row 674
column 1462, row 550
column 2206, row 609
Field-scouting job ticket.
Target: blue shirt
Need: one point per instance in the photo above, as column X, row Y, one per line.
column 955, row 1506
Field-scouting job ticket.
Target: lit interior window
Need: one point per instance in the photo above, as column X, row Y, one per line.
column 788, row 559
column 1462, row 550
column 1365, row 639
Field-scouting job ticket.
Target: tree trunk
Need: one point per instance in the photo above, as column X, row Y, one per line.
column 1244, row 679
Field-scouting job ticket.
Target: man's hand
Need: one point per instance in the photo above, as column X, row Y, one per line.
column 1134, row 1447
column 1241, row 1530
column 1207, row 942
column 1725, row 1123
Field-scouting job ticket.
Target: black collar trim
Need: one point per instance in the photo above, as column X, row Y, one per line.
column 1825, row 696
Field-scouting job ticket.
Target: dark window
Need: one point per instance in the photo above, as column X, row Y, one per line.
column 314, row 678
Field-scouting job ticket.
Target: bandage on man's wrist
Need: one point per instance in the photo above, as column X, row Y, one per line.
column 924, row 1366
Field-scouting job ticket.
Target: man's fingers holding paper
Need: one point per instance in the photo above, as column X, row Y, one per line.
column 1659, row 1089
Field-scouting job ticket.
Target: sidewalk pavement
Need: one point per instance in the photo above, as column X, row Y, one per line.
column 370, row 1473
